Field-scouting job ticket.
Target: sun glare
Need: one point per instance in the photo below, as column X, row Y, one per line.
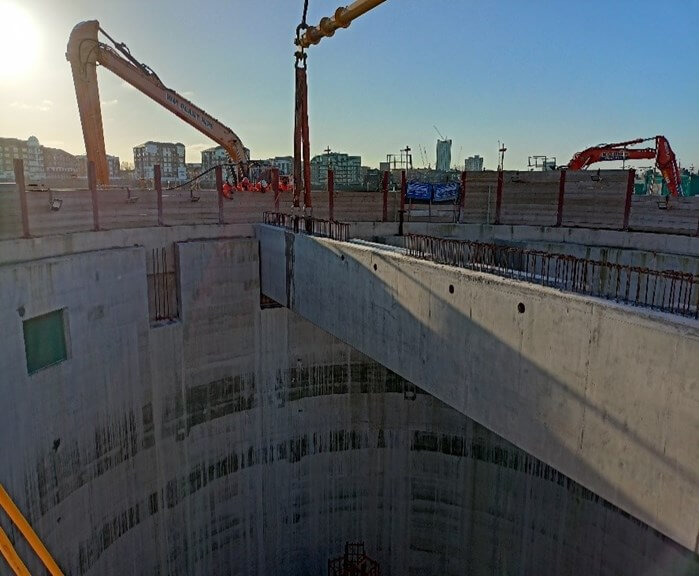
column 19, row 41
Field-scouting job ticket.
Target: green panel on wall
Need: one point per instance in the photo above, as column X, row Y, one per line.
column 45, row 341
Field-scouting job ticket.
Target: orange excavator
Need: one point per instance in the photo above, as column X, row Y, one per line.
column 85, row 52
column 662, row 153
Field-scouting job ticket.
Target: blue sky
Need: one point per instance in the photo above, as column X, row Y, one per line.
column 545, row 76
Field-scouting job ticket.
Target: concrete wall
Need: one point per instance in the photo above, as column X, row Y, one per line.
column 241, row 441
column 606, row 394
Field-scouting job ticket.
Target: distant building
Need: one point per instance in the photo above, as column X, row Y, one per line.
column 170, row 157
column 473, row 164
column 113, row 166
column 59, row 163
column 285, row 164
column 443, row 155
column 193, row 169
column 348, row 169
column 28, row 150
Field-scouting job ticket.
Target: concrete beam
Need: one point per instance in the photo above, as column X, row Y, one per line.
column 606, row 394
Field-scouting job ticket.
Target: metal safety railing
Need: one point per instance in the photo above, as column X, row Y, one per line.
column 666, row 290
column 7, row 550
column 309, row 225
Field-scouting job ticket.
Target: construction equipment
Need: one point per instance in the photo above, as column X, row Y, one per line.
column 85, row 52
column 342, row 18
column 662, row 153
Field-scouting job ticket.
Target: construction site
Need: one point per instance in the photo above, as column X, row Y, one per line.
column 495, row 373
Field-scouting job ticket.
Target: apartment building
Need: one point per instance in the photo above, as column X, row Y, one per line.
column 170, row 156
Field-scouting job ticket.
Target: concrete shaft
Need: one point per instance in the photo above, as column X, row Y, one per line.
column 235, row 440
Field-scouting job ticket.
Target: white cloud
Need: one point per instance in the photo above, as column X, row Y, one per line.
column 43, row 106
column 106, row 103
column 188, row 93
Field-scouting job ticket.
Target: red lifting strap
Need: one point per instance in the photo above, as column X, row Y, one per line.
column 302, row 145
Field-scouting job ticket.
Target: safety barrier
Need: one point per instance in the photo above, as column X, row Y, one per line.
column 308, row 225
column 666, row 290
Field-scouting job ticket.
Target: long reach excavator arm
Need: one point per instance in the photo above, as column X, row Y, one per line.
column 85, row 51
column 662, row 153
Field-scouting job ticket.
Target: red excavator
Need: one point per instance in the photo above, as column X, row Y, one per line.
column 662, row 153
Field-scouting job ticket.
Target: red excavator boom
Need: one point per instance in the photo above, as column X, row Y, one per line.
column 664, row 158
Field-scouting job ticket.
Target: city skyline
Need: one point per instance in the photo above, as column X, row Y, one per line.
column 538, row 84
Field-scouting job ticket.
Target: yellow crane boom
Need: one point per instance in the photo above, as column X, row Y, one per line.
column 85, row 51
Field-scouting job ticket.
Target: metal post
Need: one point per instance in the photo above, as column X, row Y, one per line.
column 331, row 194
column 498, row 199
column 384, row 188
column 22, row 190
column 629, row 194
column 561, row 196
column 306, row 148
column 462, row 200
column 219, row 191
column 92, row 183
column 298, row 138
column 157, row 181
column 403, row 191
column 275, row 187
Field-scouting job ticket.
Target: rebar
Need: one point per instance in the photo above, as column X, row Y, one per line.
column 672, row 291
column 309, row 225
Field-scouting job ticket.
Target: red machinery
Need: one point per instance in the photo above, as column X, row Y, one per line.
column 662, row 153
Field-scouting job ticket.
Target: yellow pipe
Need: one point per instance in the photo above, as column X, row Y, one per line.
column 28, row 532
column 342, row 18
column 10, row 554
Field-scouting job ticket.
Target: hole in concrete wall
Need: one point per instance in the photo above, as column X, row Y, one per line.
column 375, row 267
column 266, row 302
column 45, row 342
column 451, row 288
column 521, row 308
column 342, row 257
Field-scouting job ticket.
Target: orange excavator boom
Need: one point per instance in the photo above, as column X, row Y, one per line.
column 85, row 51
column 664, row 157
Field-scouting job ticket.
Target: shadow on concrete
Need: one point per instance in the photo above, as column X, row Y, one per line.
column 320, row 276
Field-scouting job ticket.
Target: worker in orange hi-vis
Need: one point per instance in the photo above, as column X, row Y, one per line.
column 227, row 190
